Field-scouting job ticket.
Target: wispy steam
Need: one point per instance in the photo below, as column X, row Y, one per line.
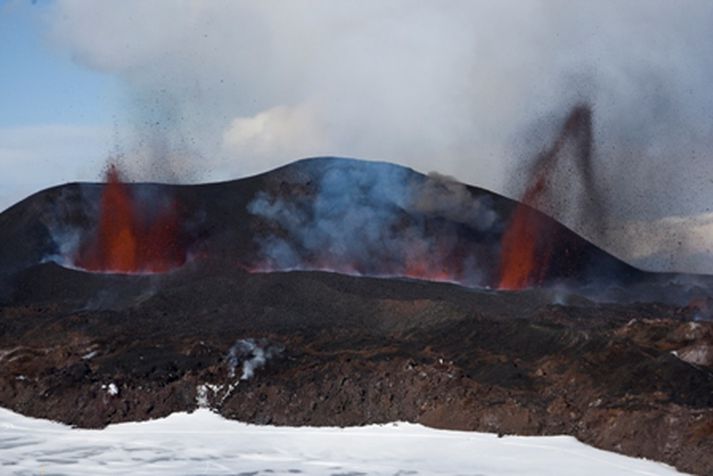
column 375, row 219
column 467, row 88
column 60, row 219
column 251, row 355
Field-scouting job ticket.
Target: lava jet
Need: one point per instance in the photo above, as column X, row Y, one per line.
column 132, row 234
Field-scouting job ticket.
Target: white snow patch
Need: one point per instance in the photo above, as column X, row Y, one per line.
column 205, row 443
column 202, row 396
column 111, row 389
column 204, row 399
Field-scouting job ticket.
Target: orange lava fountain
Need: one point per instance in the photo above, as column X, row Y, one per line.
column 529, row 241
column 521, row 265
column 127, row 238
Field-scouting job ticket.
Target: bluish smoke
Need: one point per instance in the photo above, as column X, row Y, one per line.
column 375, row 219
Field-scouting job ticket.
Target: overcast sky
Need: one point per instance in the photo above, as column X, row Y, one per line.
column 189, row 91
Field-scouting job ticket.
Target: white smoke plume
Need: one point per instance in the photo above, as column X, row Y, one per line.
column 251, row 354
column 221, row 89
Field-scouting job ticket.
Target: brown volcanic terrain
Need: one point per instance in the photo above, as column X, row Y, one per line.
column 630, row 377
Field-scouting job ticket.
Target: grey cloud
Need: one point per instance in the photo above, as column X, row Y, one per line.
column 466, row 88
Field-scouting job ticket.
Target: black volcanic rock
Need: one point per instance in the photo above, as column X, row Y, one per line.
column 333, row 349
column 354, row 350
column 364, row 218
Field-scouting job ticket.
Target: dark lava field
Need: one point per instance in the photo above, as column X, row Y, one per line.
column 339, row 292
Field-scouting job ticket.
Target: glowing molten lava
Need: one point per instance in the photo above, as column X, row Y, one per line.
column 528, row 243
column 132, row 236
column 521, row 264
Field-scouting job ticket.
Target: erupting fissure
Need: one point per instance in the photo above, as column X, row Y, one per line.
column 526, row 247
column 530, row 239
column 132, row 235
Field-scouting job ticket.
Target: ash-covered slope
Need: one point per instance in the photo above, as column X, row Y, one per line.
column 343, row 215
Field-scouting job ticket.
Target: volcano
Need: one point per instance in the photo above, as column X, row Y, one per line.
column 338, row 291
column 325, row 214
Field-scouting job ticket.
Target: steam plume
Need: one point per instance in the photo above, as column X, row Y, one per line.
column 251, row 354
column 375, row 219
column 466, row 88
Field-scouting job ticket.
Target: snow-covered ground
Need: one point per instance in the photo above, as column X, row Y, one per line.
column 205, row 443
